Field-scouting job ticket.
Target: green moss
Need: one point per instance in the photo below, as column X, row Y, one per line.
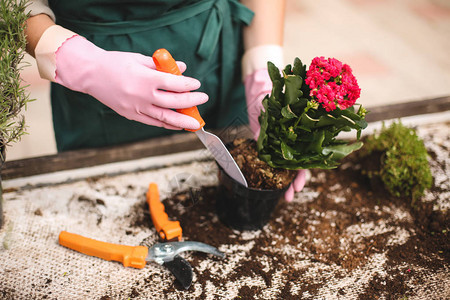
column 405, row 170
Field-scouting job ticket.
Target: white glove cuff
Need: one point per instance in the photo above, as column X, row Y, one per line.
column 256, row 58
column 45, row 52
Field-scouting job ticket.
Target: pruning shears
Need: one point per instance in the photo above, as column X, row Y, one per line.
column 165, row 253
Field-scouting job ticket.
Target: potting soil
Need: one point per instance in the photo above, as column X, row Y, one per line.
column 340, row 238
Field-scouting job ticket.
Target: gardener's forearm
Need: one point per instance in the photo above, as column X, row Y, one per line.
column 36, row 26
column 267, row 26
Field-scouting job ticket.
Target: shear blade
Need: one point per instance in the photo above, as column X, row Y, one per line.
column 181, row 269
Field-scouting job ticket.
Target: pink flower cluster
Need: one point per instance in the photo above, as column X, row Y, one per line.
column 332, row 83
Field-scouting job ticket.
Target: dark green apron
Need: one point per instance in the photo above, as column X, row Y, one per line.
column 206, row 35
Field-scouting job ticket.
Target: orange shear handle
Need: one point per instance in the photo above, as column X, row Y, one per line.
column 168, row 230
column 130, row 256
column 165, row 63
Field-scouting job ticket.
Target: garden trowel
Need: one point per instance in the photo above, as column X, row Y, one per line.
column 165, row 63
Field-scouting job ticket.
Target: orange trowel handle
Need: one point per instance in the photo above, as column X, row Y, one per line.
column 168, row 230
column 165, row 63
column 130, row 256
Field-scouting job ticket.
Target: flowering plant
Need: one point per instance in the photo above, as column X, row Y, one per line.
column 306, row 111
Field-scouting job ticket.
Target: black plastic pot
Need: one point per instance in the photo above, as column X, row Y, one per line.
column 244, row 208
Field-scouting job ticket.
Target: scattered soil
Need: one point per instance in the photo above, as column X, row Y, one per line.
column 328, row 231
column 257, row 172
column 343, row 237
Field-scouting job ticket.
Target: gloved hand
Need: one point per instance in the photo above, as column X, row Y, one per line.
column 296, row 186
column 126, row 82
column 257, row 86
column 256, row 79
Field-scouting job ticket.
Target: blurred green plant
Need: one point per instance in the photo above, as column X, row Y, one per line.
column 404, row 168
column 13, row 94
column 299, row 133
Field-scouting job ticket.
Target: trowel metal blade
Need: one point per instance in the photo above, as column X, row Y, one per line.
column 221, row 155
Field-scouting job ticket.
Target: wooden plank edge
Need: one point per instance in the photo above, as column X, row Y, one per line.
column 97, row 156
column 182, row 142
column 407, row 109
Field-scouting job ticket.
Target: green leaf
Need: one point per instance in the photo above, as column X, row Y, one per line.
column 287, row 112
column 349, row 113
column 305, row 128
column 287, row 151
column 316, row 143
column 299, row 106
column 287, row 70
column 336, row 113
column 299, row 69
column 276, row 150
column 307, row 121
column 263, row 121
column 342, row 122
column 341, row 151
column 274, row 72
column 330, row 137
column 277, row 91
column 326, row 120
column 293, row 90
column 362, row 124
column 265, row 157
column 349, row 120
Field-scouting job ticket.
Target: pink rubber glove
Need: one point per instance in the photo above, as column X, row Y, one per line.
column 257, row 86
column 126, row 82
column 296, row 186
